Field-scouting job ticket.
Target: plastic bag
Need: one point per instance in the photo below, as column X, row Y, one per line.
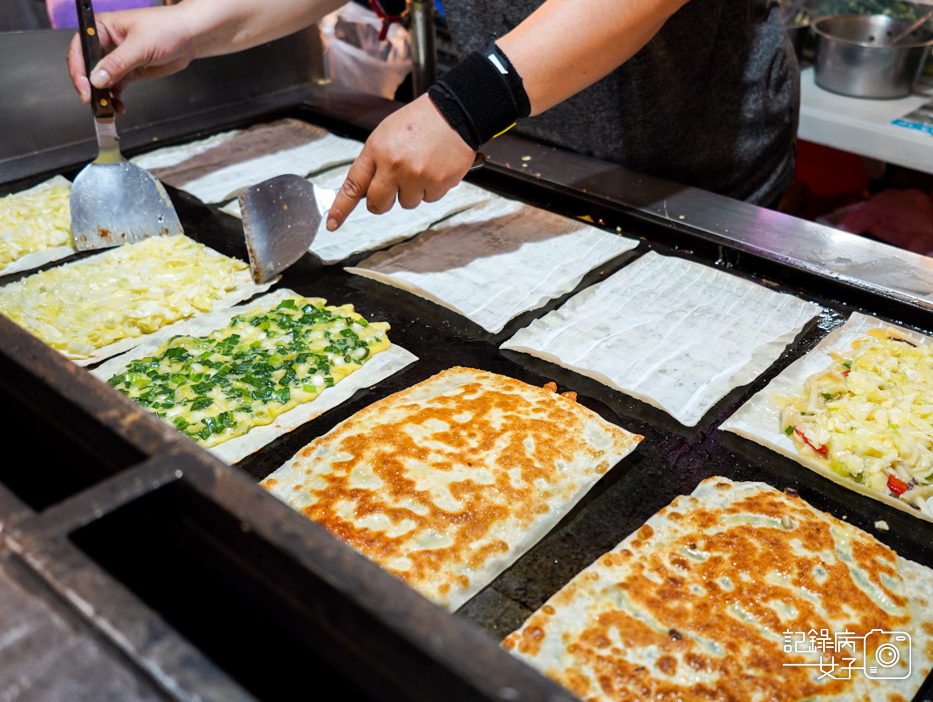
column 355, row 57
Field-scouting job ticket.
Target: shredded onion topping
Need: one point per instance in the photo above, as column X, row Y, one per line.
column 35, row 220
column 869, row 417
column 129, row 291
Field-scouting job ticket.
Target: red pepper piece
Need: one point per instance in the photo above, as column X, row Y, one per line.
column 896, row 485
column 822, row 450
column 846, row 372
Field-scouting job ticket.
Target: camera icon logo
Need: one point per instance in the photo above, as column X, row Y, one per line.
column 887, row 655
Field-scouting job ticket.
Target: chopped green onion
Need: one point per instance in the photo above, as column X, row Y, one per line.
column 201, row 403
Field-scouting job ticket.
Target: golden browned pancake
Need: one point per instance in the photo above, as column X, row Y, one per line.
column 716, row 598
column 447, row 483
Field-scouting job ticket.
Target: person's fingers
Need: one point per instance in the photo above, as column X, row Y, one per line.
column 436, row 192
column 116, row 66
column 162, row 70
column 352, row 191
column 413, row 154
column 110, row 72
column 77, row 71
column 380, row 196
column 116, row 96
column 410, row 198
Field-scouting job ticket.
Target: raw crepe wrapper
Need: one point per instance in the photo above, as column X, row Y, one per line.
column 675, row 334
column 216, row 169
column 759, row 419
column 494, row 262
column 36, row 259
column 374, row 371
column 364, row 231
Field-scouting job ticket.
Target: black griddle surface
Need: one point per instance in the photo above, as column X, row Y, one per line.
column 670, row 461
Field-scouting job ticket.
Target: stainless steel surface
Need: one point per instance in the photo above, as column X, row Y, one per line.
column 895, row 40
column 40, row 111
column 114, row 203
column 281, row 217
column 854, row 56
column 423, row 49
column 829, row 252
column 107, row 141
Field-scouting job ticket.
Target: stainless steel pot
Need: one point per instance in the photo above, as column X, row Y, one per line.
column 854, row 55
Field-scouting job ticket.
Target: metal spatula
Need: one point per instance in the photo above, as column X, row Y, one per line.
column 281, row 217
column 113, row 201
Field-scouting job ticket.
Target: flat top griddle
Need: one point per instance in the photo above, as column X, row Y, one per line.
column 670, row 461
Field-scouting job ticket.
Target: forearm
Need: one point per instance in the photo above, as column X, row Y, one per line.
column 225, row 26
column 567, row 45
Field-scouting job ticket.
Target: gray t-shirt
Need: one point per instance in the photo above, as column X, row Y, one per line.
column 711, row 101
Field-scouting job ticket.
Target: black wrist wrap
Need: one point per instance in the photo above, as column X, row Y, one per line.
column 478, row 99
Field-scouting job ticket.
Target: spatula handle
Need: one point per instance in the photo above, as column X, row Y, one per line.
column 101, row 102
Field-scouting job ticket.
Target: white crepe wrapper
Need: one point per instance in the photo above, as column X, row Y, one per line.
column 375, row 370
column 169, row 156
column 675, row 334
column 216, row 169
column 496, row 261
column 37, row 259
column 759, row 419
column 365, row 231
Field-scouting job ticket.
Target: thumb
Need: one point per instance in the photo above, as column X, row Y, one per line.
column 115, row 66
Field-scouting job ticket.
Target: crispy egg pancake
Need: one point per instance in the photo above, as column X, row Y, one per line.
column 447, row 483
column 717, row 597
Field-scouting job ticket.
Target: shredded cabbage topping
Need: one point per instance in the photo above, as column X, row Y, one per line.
column 869, row 417
column 35, row 220
column 126, row 292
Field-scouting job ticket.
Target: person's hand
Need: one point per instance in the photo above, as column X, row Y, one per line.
column 903, row 218
column 144, row 43
column 414, row 154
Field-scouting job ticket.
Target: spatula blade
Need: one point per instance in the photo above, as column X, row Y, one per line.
column 119, row 203
column 281, row 217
